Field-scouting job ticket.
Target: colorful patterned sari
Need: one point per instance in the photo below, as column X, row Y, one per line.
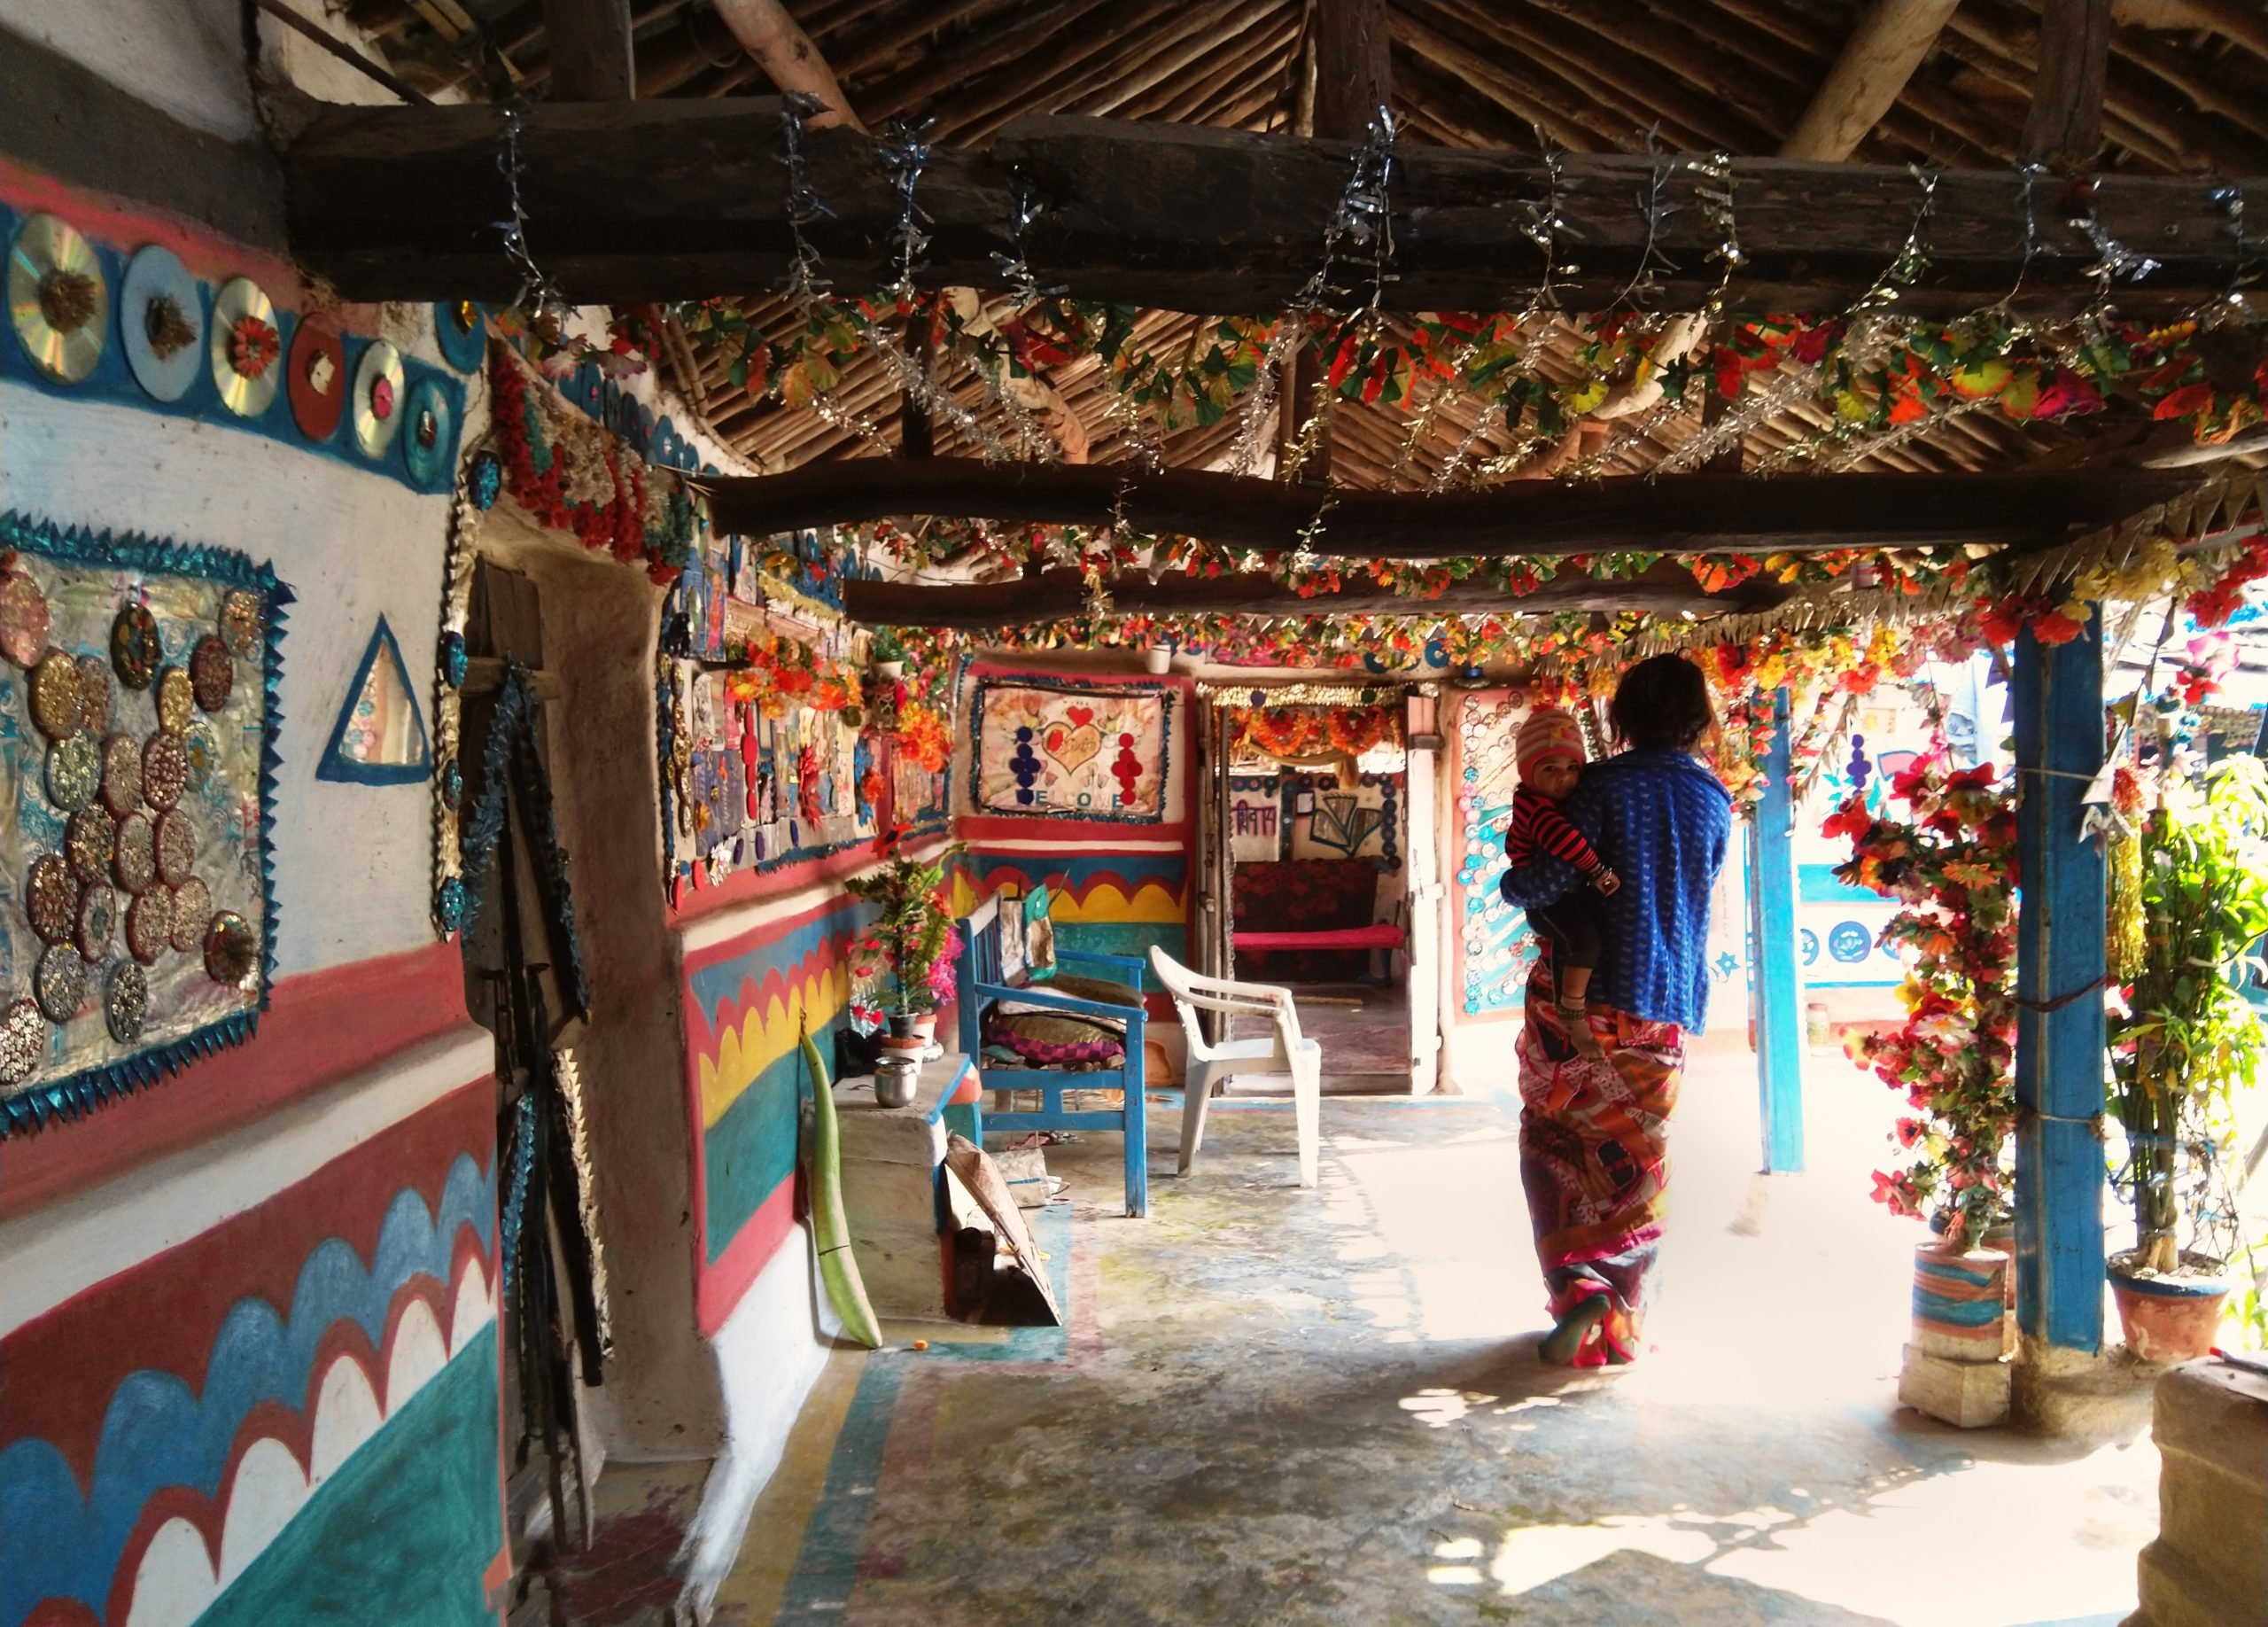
column 1595, row 1162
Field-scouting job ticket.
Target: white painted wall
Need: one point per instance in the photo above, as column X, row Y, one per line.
column 184, row 56
column 354, row 863
column 769, row 1351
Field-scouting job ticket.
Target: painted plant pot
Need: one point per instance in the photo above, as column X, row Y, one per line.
column 1961, row 1302
column 2170, row 1318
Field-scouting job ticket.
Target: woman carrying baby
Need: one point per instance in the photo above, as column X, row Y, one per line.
column 1598, row 1082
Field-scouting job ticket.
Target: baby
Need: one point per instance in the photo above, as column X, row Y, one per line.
column 1548, row 753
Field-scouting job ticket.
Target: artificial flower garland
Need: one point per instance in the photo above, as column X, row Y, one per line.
column 569, row 473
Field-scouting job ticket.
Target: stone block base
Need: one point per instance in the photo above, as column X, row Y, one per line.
column 2210, row 1563
column 2081, row 1395
column 1968, row 1395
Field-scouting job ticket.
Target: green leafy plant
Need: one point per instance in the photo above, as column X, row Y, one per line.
column 903, row 961
column 2189, row 1036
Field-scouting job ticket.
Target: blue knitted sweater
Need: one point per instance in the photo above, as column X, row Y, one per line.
column 1662, row 820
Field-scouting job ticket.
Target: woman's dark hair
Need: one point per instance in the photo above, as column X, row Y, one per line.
column 1662, row 705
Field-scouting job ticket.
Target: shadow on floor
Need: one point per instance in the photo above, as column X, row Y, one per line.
column 1325, row 1406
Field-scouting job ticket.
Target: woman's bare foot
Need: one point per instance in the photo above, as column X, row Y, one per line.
column 1559, row 1346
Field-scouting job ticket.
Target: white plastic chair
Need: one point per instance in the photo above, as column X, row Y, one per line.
column 1283, row 1050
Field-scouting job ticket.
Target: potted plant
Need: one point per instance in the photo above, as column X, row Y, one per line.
column 887, row 653
column 1953, row 865
column 2187, row 1036
column 901, row 964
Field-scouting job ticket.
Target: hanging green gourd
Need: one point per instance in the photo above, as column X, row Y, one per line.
column 838, row 1267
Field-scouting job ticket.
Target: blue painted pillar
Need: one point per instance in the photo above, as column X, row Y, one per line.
column 1778, row 990
column 2059, row 949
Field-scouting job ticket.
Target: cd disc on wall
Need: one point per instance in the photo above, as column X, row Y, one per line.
column 428, row 427
column 378, row 398
column 461, row 328
column 314, row 376
column 161, row 322
column 246, row 347
column 58, row 298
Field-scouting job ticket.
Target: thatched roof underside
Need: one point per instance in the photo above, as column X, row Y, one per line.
column 2188, row 92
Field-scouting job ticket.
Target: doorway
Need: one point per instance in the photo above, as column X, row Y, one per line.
column 1321, row 871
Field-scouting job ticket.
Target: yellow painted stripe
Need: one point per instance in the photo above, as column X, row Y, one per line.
column 1106, row 905
column 764, row 1035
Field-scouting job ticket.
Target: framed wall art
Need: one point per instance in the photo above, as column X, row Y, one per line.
column 1071, row 751
column 137, row 797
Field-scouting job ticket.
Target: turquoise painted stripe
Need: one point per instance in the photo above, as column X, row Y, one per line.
column 402, row 1535
column 1976, row 1276
column 1132, row 938
column 826, row 1565
column 1956, row 1312
column 1816, row 884
column 751, row 1149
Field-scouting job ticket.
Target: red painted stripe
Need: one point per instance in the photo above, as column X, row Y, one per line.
column 1169, row 681
column 165, row 1313
column 766, row 932
column 127, row 225
column 747, row 887
column 1024, row 827
column 319, row 1028
column 718, row 1288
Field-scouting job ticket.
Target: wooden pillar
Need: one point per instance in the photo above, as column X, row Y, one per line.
column 590, row 50
column 2060, row 956
column 2064, row 128
column 1352, row 76
column 1779, row 986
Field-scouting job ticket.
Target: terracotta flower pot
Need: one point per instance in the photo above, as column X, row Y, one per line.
column 2170, row 1318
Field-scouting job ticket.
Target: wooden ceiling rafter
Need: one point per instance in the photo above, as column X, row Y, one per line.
column 2186, row 83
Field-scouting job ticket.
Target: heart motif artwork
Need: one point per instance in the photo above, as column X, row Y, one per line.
column 1070, row 750
column 1076, row 747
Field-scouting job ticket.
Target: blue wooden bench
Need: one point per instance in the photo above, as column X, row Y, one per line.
column 982, row 978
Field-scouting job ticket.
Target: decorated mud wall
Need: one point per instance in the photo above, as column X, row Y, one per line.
column 1080, row 783
column 248, row 1187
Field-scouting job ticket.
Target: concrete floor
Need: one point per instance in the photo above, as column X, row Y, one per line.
column 1284, row 1407
column 1365, row 1031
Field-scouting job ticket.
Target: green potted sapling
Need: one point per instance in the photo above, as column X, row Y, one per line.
column 2187, row 1039
column 887, row 651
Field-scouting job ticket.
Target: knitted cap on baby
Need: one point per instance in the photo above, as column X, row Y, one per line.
column 1549, row 732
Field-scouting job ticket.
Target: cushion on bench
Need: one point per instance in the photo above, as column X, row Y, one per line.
column 1062, row 1039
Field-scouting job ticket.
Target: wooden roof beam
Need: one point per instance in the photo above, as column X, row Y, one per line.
column 679, row 200
column 1867, row 78
column 590, row 49
column 1679, row 514
column 2064, row 128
